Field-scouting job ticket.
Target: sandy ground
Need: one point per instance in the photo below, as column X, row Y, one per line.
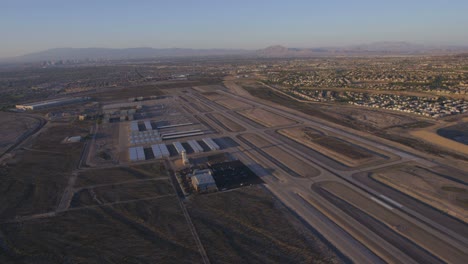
column 430, row 135
column 441, row 193
column 297, row 165
column 12, row 126
column 266, row 118
column 233, row 104
column 233, row 87
column 227, row 123
column 441, row 141
column 397, row 223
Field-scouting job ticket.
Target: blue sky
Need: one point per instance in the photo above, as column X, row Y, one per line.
column 27, row 26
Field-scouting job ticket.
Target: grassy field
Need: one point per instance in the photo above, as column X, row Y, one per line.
column 248, row 225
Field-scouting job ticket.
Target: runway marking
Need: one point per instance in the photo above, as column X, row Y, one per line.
column 381, row 203
column 390, row 201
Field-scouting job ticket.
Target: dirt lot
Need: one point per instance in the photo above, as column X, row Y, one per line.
column 434, row 188
column 266, row 118
column 342, row 151
column 13, row 126
column 233, row 104
column 398, row 224
column 34, row 181
column 226, row 123
column 249, row 226
column 290, row 162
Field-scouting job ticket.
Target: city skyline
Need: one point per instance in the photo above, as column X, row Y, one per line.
column 28, row 26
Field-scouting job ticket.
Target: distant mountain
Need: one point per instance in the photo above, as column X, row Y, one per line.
column 119, row 54
column 389, row 47
column 378, row 48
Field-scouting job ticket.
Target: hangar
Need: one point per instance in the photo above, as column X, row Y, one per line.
column 203, row 181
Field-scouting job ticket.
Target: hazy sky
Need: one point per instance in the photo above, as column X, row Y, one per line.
column 34, row 25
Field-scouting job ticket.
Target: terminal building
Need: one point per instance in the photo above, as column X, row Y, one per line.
column 51, row 103
column 203, row 181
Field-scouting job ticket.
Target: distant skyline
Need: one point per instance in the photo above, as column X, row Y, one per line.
column 30, row 26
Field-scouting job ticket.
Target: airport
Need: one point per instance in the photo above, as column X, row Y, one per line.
column 209, row 140
column 305, row 162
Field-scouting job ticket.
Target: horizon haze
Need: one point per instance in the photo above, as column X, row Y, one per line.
column 29, row 26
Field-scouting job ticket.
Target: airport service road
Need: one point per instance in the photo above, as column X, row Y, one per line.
column 283, row 182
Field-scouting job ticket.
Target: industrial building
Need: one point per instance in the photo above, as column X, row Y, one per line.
column 137, row 137
column 144, row 137
column 134, row 126
column 176, row 125
column 51, row 103
column 148, row 125
column 164, row 150
column 178, row 146
column 203, row 181
column 160, row 151
column 211, row 144
column 136, row 154
column 189, row 133
column 195, row 146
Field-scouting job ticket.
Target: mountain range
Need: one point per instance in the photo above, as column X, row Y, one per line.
column 379, row 48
